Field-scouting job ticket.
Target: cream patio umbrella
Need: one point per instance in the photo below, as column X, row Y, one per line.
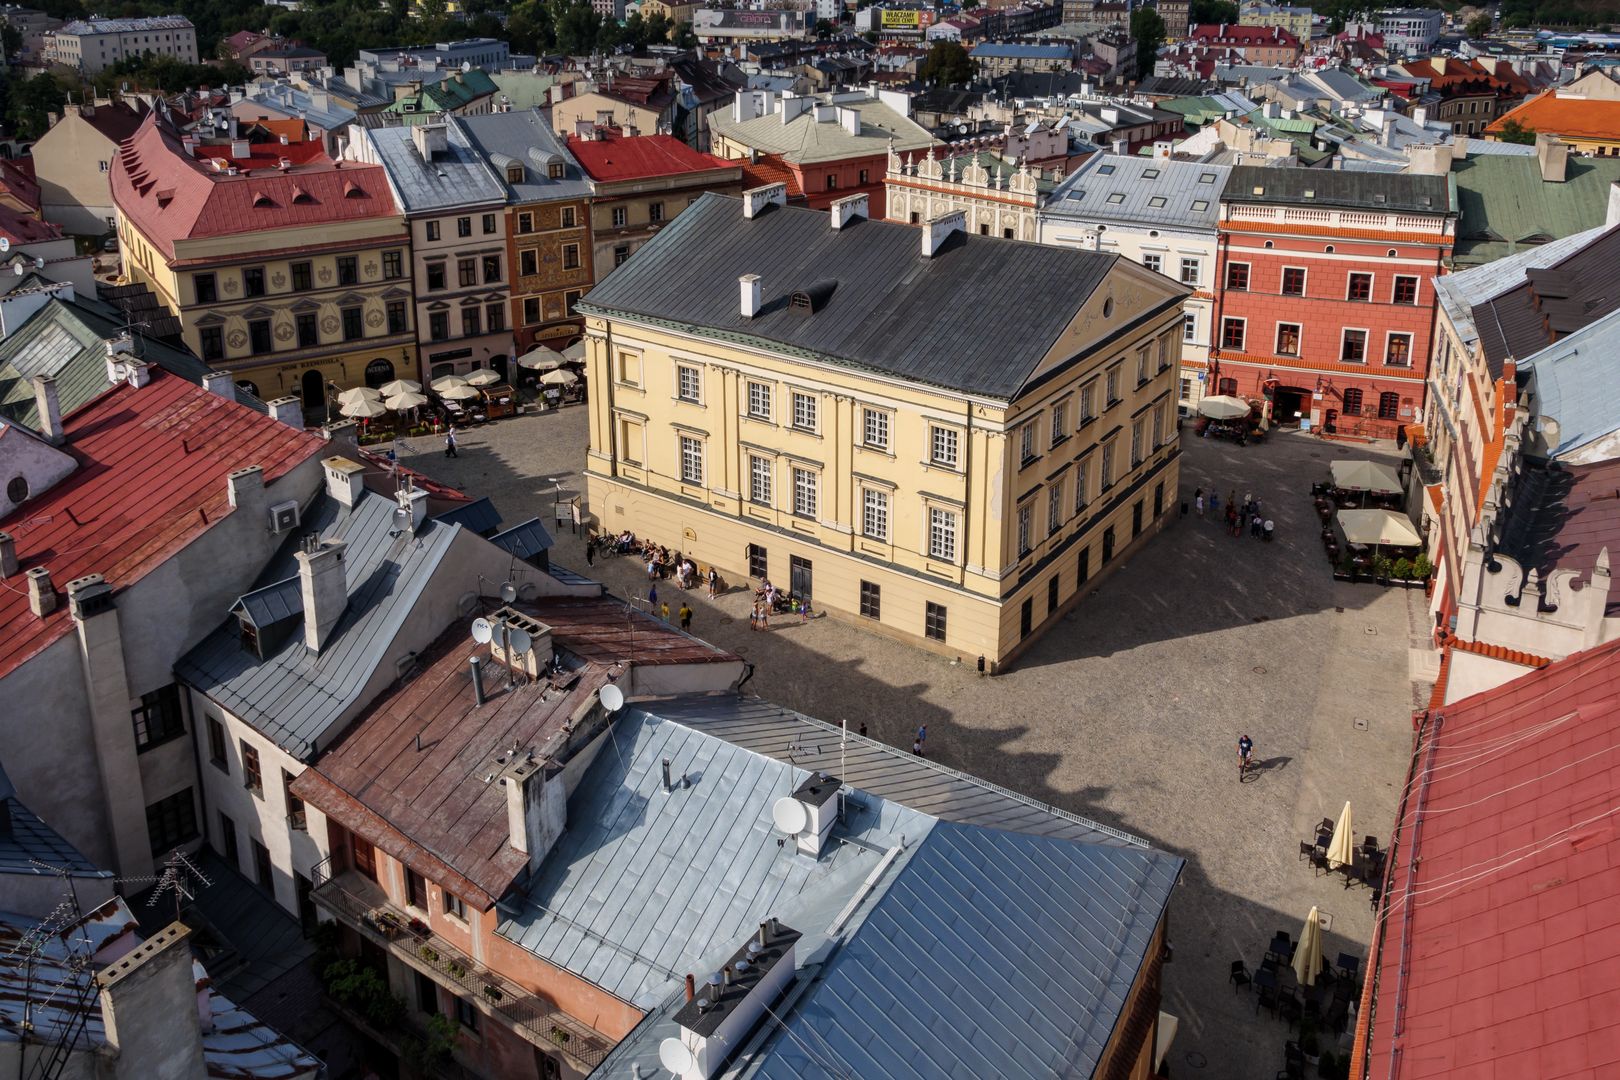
column 406, row 399
column 399, row 386
column 541, row 358
column 1308, row 953
column 363, row 409
column 358, row 393
column 1366, row 476
column 559, row 378
column 484, row 377
column 1341, row 851
column 1223, row 407
column 460, row 392
column 447, row 383
column 575, row 353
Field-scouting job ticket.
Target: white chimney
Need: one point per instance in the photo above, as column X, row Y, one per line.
column 757, row 199
column 937, row 229
column 536, row 807
column 288, row 410
column 41, row 593
column 413, row 502
column 222, row 383
column 750, row 295
column 718, row 1017
column 245, row 490
column 825, row 114
column 49, row 407
column 149, row 1008
column 847, row 209
column 818, row 794
column 1162, row 150
column 241, row 149
column 323, row 583
column 850, row 119
column 430, row 139
column 1552, row 155
column 345, row 480
column 1612, row 217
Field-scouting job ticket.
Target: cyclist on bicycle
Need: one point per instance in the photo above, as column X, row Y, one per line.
column 1245, row 751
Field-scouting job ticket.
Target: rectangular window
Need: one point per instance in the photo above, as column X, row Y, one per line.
column 348, row 270
column 875, row 428
column 759, row 400
column 1088, row 402
column 1026, row 526
column 438, row 325
column 934, row 621
column 525, row 223
column 759, row 480
column 427, row 995
column 207, row 288
column 489, row 224
column 1406, row 289
column 1141, row 365
column 1111, row 386
column 1154, row 263
column 875, row 514
column 1164, row 353
column 1189, row 327
column 454, row 906
column 630, row 368
column 435, row 276
column 251, row 777
column 942, row 446
column 492, row 269
column 1293, row 281
column 432, row 230
column 1360, row 288
column 1354, row 349
column 871, row 600
column 495, row 317
column 295, row 806
column 253, row 281
column 1158, row 428
column 216, row 745
column 227, row 835
column 1054, row 508
column 1398, row 352
column 1288, row 339
column 1136, row 443
column 1026, row 443
column 471, row 322
column 1237, row 277
column 1082, row 484
column 655, row 212
column 691, row 460
column 259, row 335
column 263, row 870
column 213, row 342
column 415, row 890
column 158, row 718
column 531, row 310
column 1108, row 463
column 464, row 227
column 941, row 534
column 529, row 259
column 397, row 322
column 804, row 411
column 568, row 217
column 621, row 217
column 466, row 1014
column 621, row 254
column 1232, row 332
column 172, row 821
column 687, row 387
column 1052, row 590
column 393, row 265
column 570, row 258
column 804, row 493
column 354, row 323
column 1190, row 269
column 758, row 562
column 1060, row 421
column 307, row 326
column 467, row 272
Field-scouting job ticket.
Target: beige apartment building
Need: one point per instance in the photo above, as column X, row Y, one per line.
column 90, row 46
column 859, row 411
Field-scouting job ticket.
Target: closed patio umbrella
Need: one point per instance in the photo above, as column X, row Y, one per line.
column 1341, row 851
column 459, row 392
column 483, row 377
column 559, row 378
column 1220, row 407
column 1308, row 953
column 448, row 382
column 358, row 393
column 363, row 408
column 541, row 358
column 406, row 399
column 399, row 386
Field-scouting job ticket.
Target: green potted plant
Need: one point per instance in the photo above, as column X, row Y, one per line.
column 493, row 993
column 1402, row 569
column 428, row 953
column 456, row 968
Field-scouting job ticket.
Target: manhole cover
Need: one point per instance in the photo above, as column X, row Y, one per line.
column 1372, row 631
column 1195, row 1060
column 1258, row 670
column 1361, row 725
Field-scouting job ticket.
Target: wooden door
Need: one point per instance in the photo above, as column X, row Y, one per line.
column 365, row 857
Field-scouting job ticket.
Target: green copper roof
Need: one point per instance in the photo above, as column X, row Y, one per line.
column 1507, row 207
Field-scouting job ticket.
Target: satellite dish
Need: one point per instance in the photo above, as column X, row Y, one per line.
column 612, row 698
column 483, row 631
column 789, row 815
column 674, row 1056
column 508, row 592
column 5, row 244
column 520, row 640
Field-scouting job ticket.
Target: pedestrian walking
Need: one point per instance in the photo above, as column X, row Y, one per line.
column 652, row 598
column 1215, row 502
column 1198, row 501
column 804, row 610
column 714, row 583
column 590, row 551
column 665, row 609
column 1269, row 526
column 753, row 617
column 1255, row 524
column 450, row 442
column 922, row 736
column 916, row 747
column 686, row 616
column 863, row 729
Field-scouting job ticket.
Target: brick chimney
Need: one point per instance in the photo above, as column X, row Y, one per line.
column 323, row 583
column 149, row 1009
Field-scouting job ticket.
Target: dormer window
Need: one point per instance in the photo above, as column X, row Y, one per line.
column 514, row 174
column 302, row 197
column 261, row 200
column 249, row 637
column 555, row 171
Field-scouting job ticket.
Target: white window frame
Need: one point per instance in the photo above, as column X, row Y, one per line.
column 942, row 524
column 1106, row 469
column 1082, row 480
column 811, row 410
column 1189, row 326
column 1243, row 323
column 1054, row 507
column 1196, row 265
column 694, row 374
column 1417, row 288
column 1111, row 385
column 1026, row 442
column 761, row 480
column 1088, row 400
column 1060, row 420
column 1026, row 528
column 759, row 404
column 1164, row 352
column 938, row 435
column 1142, row 364
column 1304, row 284
column 1366, row 342
column 1372, row 286
column 806, row 492
column 875, row 513
column 1299, row 339
column 1138, row 428
column 691, row 448
column 1158, row 427
column 1157, row 265
column 874, row 428
column 1389, row 339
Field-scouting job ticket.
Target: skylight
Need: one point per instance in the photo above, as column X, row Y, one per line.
column 1105, row 170
column 1156, row 201
column 1150, row 174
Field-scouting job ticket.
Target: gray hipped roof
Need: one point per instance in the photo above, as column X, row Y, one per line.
column 524, row 138
column 977, row 317
column 457, row 177
column 1407, row 192
column 1165, row 193
column 294, row 697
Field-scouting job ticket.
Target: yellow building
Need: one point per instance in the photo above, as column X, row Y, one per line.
column 942, row 436
column 289, row 269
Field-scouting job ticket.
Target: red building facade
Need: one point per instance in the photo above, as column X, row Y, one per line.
column 1324, row 307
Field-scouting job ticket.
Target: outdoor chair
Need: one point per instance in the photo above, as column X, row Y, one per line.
column 1266, row 999
column 1288, row 1008
column 1369, row 843
column 1240, row 976
column 1350, row 965
column 1306, row 851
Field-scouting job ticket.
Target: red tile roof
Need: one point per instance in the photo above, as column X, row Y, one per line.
column 769, row 169
column 1500, row 943
column 151, row 479
column 170, row 197
column 618, row 157
column 19, row 228
column 1495, row 652
column 265, row 155
column 20, row 183
column 609, row 632
column 1577, row 118
column 1242, row 36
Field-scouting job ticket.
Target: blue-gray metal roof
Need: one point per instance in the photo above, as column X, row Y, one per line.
column 32, row 847
column 479, row 516
column 1574, row 382
column 977, row 317
column 1461, row 292
column 264, row 607
column 524, row 541
column 298, row 699
column 457, row 177
column 525, row 138
column 1121, row 187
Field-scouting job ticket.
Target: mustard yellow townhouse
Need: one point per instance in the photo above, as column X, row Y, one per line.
column 938, row 435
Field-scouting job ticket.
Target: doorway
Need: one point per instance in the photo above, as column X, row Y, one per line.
column 365, row 856
column 1108, row 544
column 799, row 577
column 307, row 917
column 1285, row 402
column 314, row 390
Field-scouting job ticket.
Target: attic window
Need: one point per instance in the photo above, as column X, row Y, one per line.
column 514, row 174
column 809, row 300
column 1117, row 197
column 1380, row 198
column 302, row 197
column 1259, row 189
column 1310, row 193
column 1426, row 200
column 1150, row 174
column 352, row 190
column 555, row 170
column 260, row 200
column 1156, row 201
column 1206, row 178
column 165, row 196
column 1105, row 170
column 1200, row 205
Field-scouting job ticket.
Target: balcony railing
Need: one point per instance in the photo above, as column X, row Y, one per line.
column 361, row 904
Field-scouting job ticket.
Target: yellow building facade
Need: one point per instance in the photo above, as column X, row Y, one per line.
column 967, row 518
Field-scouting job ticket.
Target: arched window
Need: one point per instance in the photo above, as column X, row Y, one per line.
column 1389, row 405
column 1352, row 402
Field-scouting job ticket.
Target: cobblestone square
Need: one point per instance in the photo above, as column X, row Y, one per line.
column 1128, row 712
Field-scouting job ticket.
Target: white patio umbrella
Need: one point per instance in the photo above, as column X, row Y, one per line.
column 1341, row 851
column 363, row 408
column 484, row 377
column 1221, row 407
column 406, row 399
column 541, row 358
column 1308, row 953
column 399, row 386
column 358, row 393
column 446, row 383
column 460, row 392
column 559, row 378
column 1378, row 528
column 1366, row 476
column 575, row 352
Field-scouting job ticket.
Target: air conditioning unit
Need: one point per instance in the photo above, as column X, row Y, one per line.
column 283, row 517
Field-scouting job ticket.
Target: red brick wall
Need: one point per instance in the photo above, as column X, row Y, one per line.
column 1323, row 313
